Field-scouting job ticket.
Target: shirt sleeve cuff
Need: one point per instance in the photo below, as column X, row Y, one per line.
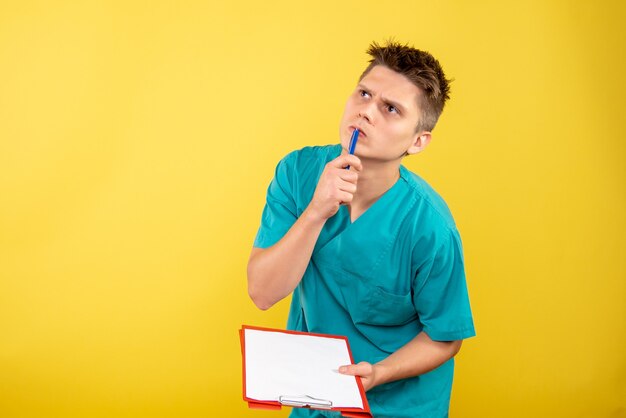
column 462, row 334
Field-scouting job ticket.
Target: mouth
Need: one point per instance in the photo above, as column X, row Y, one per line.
column 351, row 128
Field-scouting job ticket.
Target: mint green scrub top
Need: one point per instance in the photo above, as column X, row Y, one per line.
column 381, row 280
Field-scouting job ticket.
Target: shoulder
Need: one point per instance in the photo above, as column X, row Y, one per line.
column 317, row 155
column 430, row 215
column 298, row 172
column 307, row 162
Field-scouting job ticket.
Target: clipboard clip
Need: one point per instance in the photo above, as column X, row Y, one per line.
column 304, row 401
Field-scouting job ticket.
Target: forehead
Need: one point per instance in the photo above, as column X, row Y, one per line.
column 391, row 85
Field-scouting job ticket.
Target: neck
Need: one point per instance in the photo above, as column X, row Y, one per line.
column 374, row 180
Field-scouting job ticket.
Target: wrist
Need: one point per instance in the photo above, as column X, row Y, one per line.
column 382, row 374
column 312, row 216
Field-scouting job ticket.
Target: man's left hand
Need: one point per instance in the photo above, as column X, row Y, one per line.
column 365, row 370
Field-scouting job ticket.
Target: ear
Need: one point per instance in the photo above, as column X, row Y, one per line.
column 421, row 140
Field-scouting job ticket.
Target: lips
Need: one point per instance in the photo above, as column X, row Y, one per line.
column 353, row 127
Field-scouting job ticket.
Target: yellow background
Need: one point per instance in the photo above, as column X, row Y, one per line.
column 137, row 141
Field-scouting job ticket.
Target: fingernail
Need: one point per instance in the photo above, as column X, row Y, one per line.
column 342, row 369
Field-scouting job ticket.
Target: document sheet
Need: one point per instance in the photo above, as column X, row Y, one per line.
column 282, row 364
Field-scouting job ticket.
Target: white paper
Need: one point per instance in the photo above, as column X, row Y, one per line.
column 281, row 364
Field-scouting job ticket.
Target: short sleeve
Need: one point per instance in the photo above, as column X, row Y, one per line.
column 440, row 293
column 280, row 211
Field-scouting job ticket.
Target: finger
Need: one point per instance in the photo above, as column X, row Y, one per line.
column 361, row 369
column 348, row 175
column 349, row 370
column 345, row 160
column 345, row 186
column 346, row 197
column 354, row 162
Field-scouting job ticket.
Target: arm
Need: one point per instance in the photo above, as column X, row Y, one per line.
column 274, row 272
column 442, row 306
column 418, row 356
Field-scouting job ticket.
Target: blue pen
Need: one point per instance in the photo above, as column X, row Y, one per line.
column 353, row 140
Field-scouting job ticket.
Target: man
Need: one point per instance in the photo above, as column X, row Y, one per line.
column 372, row 252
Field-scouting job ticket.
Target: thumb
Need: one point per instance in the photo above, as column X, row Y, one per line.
column 361, row 369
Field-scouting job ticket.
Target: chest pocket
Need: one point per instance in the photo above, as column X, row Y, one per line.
column 387, row 320
column 372, row 305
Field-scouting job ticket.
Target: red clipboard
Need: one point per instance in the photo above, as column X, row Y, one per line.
column 276, row 405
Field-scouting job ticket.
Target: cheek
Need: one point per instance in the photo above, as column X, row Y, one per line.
column 346, row 114
column 349, row 109
column 399, row 130
column 407, row 128
column 403, row 134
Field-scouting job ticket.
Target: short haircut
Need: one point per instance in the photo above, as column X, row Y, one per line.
column 423, row 70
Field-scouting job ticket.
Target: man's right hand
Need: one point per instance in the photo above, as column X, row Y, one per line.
column 275, row 271
column 336, row 186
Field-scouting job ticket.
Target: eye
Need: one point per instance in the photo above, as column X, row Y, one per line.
column 392, row 109
column 363, row 93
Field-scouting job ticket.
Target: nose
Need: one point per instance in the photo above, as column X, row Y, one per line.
column 367, row 112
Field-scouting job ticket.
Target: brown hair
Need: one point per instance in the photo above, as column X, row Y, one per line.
column 422, row 69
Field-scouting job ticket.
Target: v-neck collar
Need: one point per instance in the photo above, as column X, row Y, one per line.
column 389, row 191
column 374, row 229
column 402, row 177
column 372, row 207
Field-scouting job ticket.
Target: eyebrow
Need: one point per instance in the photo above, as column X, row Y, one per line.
column 386, row 101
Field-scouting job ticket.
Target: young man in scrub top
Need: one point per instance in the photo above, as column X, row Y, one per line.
column 372, row 252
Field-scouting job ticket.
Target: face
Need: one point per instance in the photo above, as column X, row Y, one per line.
column 384, row 109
